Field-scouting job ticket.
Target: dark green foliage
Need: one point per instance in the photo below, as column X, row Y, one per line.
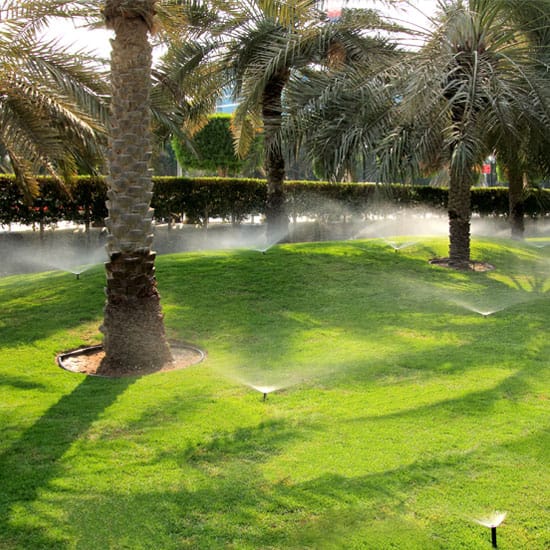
column 235, row 198
column 82, row 201
column 200, row 198
column 211, row 148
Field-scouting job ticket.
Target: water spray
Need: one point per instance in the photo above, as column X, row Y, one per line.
column 397, row 247
column 483, row 312
column 264, row 390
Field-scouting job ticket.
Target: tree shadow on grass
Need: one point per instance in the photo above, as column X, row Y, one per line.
column 34, row 460
column 223, row 492
column 20, row 383
column 29, row 303
column 232, row 503
column 471, row 404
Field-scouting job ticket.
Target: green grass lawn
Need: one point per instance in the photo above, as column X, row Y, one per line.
column 400, row 416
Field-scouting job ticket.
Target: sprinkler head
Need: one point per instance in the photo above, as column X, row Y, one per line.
column 492, row 522
column 77, row 275
column 264, row 390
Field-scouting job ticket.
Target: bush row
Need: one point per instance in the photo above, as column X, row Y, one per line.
column 198, row 199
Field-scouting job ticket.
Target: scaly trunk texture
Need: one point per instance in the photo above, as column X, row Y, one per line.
column 133, row 324
column 276, row 217
column 515, row 201
column 459, row 211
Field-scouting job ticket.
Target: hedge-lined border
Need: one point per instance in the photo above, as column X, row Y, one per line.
column 83, row 200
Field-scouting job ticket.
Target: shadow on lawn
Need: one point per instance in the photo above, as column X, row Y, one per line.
column 19, row 383
column 234, row 504
column 30, row 302
column 33, row 461
column 274, row 331
column 472, row 404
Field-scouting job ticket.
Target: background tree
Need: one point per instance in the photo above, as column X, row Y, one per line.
column 472, row 88
column 525, row 155
column 475, row 87
column 253, row 47
column 338, row 117
column 133, row 326
column 211, row 148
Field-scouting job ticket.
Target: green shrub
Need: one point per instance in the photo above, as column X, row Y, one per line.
column 233, row 199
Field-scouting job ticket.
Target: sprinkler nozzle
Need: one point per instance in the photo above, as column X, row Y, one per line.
column 265, row 397
column 492, row 522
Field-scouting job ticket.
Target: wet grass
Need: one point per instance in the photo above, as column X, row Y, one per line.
column 401, row 413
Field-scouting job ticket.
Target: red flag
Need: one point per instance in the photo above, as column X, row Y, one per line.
column 334, row 9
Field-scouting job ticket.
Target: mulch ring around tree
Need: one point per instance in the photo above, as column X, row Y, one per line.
column 87, row 360
column 472, row 265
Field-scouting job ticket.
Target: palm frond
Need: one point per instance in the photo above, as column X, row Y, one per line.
column 53, row 101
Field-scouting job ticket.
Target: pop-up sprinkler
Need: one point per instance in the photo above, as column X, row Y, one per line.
column 492, row 522
column 264, row 390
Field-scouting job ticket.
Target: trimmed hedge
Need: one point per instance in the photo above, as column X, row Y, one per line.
column 202, row 198
column 233, row 199
column 81, row 201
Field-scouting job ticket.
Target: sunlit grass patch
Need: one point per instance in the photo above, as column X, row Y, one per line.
column 397, row 413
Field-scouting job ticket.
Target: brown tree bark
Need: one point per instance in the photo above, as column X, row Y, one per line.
column 276, row 216
column 515, row 201
column 459, row 210
column 133, row 325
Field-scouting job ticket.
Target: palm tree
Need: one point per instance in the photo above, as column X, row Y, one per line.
column 464, row 95
column 133, row 326
column 528, row 156
column 253, row 47
column 52, row 100
column 475, row 87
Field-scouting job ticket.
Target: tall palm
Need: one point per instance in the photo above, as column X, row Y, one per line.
column 52, row 100
column 253, row 47
column 528, row 156
column 463, row 95
column 133, row 326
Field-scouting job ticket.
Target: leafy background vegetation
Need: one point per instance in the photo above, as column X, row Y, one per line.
column 235, row 198
column 212, row 150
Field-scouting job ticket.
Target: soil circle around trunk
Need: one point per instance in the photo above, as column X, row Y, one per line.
column 87, row 360
column 469, row 266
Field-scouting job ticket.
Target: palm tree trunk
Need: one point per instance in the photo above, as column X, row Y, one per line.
column 133, row 325
column 515, row 201
column 276, row 217
column 459, row 209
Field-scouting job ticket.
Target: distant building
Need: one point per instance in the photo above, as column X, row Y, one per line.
column 226, row 104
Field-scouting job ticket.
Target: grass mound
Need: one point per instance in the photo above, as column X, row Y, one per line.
column 409, row 400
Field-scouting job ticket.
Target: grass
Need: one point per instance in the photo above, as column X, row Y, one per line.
column 401, row 414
